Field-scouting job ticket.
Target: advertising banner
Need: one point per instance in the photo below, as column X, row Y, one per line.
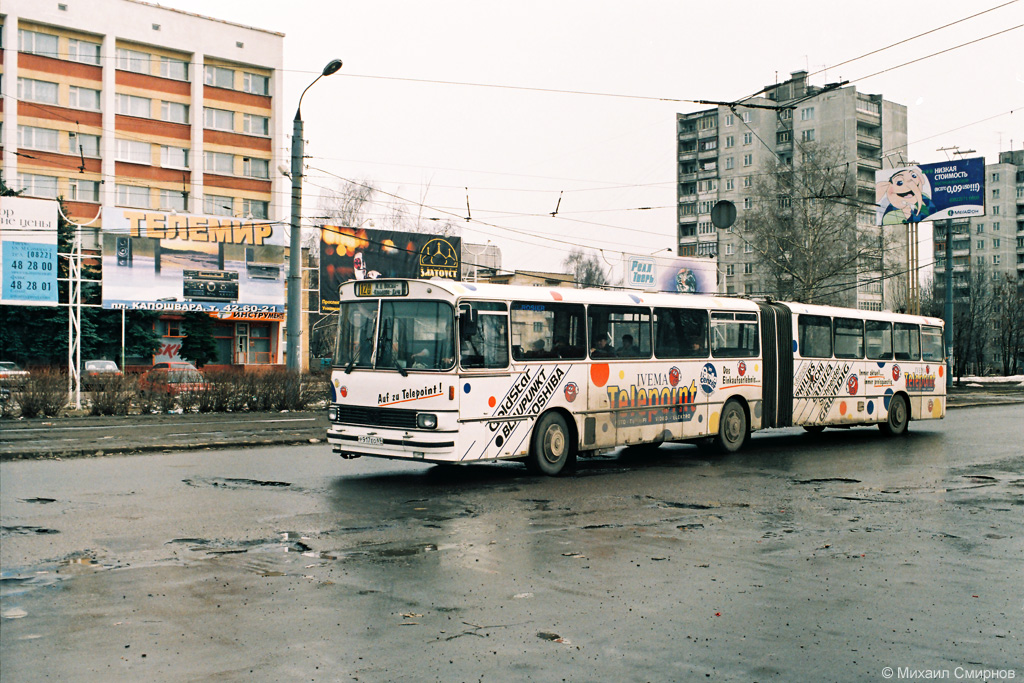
column 930, row 192
column 157, row 261
column 28, row 241
column 358, row 254
column 675, row 275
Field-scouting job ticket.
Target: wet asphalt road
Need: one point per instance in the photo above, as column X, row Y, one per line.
column 826, row 557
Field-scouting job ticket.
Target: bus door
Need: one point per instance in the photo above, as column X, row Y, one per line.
column 486, row 383
column 681, row 349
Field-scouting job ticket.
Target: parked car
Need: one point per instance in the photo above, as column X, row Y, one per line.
column 172, row 378
column 11, row 374
column 96, row 371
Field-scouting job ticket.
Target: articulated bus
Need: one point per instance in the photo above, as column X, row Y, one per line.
column 456, row 372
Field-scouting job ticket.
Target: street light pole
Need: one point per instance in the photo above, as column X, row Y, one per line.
column 293, row 313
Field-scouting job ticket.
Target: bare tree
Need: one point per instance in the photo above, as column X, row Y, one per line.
column 972, row 322
column 585, row 268
column 803, row 225
column 346, row 204
column 1008, row 332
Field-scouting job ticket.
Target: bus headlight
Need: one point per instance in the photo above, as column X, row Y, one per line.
column 426, row 421
column 332, row 413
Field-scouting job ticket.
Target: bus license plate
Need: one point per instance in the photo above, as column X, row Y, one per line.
column 372, row 440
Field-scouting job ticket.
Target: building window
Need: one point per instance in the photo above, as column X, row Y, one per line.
column 729, row 120
column 748, row 268
column 783, row 136
column 748, row 138
column 133, row 196
column 38, row 185
column 728, row 163
column 728, row 251
column 255, row 84
column 84, row 144
column 995, row 226
column 36, row 43
column 175, row 200
column 729, row 184
column 995, row 210
column 255, row 125
column 255, row 168
column 807, row 114
column 747, row 181
column 31, row 90
column 81, row 51
column 219, row 162
column 134, row 152
column 748, row 203
column 132, row 105
column 84, row 191
column 30, row 137
column 255, row 208
column 133, row 60
column 995, row 193
column 730, row 269
column 707, row 123
column 219, row 77
column 218, row 119
column 217, row 205
column 705, row 228
column 174, row 112
column 980, row 228
column 705, row 206
column 83, row 98
column 748, row 289
column 176, row 69
column 995, row 243
column 174, row 157
column 747, row 247
column 807, row 135
column 996, row 259
column 981, row 244
column 748, row 159
column 995, row 177
column 730, row 141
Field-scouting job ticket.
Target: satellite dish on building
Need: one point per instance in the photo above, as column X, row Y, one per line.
column 723, row 214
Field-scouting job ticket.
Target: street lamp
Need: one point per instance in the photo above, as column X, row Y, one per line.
column 293, row 313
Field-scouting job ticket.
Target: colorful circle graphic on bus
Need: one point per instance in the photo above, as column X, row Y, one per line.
column 571, row 392
column 708, row 378
column 741, row 368
column 895, row 373
column 887, row 398
column 344, row 392
column 599, row 374
column 851, row 385
column 674, row 375
column 871, row 407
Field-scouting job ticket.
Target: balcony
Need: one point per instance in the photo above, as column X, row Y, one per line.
column 869, row 118
column 869, row 162
column 688, row 199
column 688, row 177
column 689, row 155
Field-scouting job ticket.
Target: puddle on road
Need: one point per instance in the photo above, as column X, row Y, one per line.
column 232, row 483
column 42, row 501
column 26, row 530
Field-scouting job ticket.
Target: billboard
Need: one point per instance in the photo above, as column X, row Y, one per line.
column 675, row 275
column 359, row 254
column 157, row 261
column 28, row 251
column 930, row 192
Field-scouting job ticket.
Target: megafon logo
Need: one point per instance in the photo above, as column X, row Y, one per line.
column 641, row 271
column 438, row 258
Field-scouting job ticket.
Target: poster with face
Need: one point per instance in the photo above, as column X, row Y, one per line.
column 930, row 192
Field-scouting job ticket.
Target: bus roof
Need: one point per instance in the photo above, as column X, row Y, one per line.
column 492, row 292
column 835, row 311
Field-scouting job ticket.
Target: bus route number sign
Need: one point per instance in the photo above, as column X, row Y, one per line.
column 382, row 288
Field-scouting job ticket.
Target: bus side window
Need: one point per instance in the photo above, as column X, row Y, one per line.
column 932, row 344
column 734, row 335
column 483, row 345
column 680, row 333
column 815, row 336
column 879, row 340
column 907, row 342
column 849, row 338
column 547, row 331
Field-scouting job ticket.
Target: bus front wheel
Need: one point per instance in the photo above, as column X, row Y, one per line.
column 552, row 446
column 732, row 428
column 898, row 417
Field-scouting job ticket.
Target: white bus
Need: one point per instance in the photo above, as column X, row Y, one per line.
column 454, row 372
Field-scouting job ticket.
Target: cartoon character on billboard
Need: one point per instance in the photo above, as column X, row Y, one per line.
column 686, row 281
column 905, row 198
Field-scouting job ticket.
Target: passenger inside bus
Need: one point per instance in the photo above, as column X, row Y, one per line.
column 627, row 348
column 602, row 347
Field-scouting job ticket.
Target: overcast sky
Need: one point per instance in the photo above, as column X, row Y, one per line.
column 518, row 149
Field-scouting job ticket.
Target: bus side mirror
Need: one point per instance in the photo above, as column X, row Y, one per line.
column 468, row 320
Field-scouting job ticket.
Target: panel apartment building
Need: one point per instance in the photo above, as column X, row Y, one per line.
column 122, row 103
column 722, row 151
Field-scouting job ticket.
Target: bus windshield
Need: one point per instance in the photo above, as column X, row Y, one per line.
column 415, row 335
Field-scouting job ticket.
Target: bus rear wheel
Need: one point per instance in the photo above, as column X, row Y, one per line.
column 552, row 447
column 898, row 417
column 732, row 428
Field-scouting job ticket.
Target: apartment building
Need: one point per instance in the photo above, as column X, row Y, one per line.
column 122, row 104
column 723, row 151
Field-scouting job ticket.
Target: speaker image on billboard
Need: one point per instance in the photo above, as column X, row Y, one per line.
column 210, row 285
column 123, row 246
